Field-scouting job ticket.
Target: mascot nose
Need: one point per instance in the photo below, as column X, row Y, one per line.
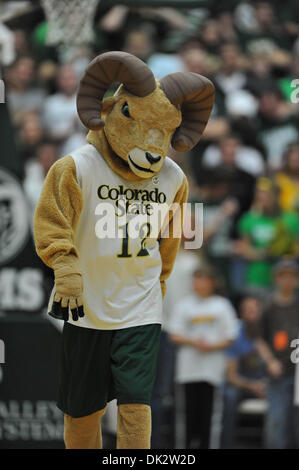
column 152, row 159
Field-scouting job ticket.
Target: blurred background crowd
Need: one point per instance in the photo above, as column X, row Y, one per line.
column 226, row 376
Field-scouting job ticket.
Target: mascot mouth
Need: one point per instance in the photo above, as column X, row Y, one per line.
column 140, row 168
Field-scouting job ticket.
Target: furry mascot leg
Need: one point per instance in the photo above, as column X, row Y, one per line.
column 134, row 426
column 83, row 433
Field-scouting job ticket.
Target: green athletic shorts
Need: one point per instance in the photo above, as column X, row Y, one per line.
column 100, row 365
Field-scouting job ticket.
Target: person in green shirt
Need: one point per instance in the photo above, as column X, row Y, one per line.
column 267, row 233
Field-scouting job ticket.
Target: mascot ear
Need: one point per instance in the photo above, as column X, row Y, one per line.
column 107, row 104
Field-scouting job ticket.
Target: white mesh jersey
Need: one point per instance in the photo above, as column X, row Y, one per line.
column 121, row 275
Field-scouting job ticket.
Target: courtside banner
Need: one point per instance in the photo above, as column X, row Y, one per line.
column 24, row 279
column 29, row 343
column 29, row 417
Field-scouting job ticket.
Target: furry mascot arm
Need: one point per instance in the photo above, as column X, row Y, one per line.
column 55, row 221
column 169, row 245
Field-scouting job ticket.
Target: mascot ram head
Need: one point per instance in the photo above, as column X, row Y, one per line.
column 144, row 116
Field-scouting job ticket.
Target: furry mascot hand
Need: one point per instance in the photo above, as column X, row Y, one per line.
column 68, row 290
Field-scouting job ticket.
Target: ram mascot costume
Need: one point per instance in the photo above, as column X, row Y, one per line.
column 109, row 290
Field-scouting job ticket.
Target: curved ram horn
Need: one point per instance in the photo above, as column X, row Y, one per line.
column 104, row 70
column 195, row 94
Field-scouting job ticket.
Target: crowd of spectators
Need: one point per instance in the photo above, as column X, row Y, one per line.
column 245, row 170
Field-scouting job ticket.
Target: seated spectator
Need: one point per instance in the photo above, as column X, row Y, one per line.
column 245, row 369
column 31, row 134
column 21, row 42
column 195, row 58
column 220, row 209
column 241, row 182
column 60, row 113
column 230, row 148
column 267, row 233
column 259, row 74
column 22, row 95
column 288, row 179
column 226, row 25
column 37, row 169
column 231, row 75
column 139, row 43
column 279, row 326
column 210, row 36
column 203, row 325
column 277, row 125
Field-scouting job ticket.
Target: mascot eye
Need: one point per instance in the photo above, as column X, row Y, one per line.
column 125, row 110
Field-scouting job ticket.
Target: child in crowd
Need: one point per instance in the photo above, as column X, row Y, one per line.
column 203, row 326
column 279, row 327
column 245, row 377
